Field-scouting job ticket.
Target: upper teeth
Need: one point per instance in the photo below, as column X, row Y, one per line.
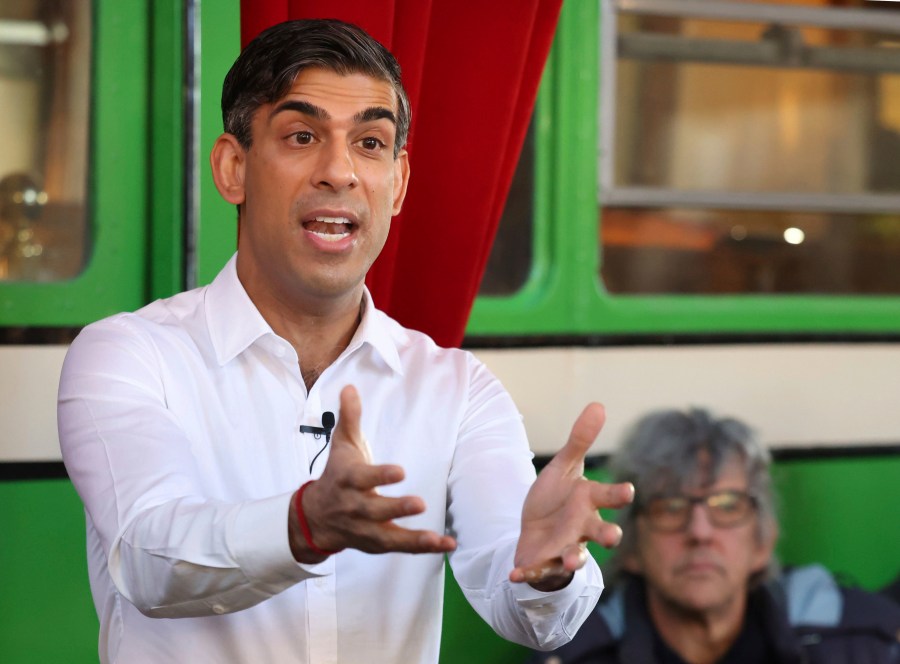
column 338, row 234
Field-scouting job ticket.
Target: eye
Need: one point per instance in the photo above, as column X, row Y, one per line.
column 674, row 505
column 371, row 143
column 726, row 501
column 303, row 137
column 662, row 507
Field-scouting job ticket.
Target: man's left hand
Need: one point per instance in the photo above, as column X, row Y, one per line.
column 560, row 513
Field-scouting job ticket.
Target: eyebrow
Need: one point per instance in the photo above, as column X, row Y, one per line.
column 366, row 115
column 375, row 113
column 303, row 107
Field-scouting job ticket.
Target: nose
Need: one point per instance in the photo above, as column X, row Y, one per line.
column 335, row 168
column 700, row 527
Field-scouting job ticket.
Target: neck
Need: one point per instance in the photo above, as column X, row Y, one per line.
column 319, row 331
column 698, row 636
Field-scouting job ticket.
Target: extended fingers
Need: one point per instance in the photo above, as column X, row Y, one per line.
column 373, row 507
column 613, row 496
column 364, row 520
column 584, row 433
column 604, row 533
column 393, row 538
column 388, row 537
column 363, row 477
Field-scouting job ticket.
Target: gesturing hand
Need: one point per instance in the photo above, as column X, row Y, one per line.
column 560, row 512
column 343, row 507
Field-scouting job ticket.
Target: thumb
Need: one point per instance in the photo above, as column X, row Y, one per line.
column 348, row 426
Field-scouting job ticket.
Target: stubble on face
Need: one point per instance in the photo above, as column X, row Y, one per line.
column 321, row 187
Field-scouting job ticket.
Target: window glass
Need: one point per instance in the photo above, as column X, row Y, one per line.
column 745, row 251
column 44, row 112
column 510, row 260
column 753, row 156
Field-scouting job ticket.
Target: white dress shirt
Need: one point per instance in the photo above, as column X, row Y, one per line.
column 179, row 427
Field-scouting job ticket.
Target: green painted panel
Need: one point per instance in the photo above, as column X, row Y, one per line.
column 842, row 514
column 220, row 43
column 167, row 149
column 46, row 612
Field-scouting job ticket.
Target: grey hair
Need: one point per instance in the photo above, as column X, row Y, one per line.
column 667, row 450
column 268, row 66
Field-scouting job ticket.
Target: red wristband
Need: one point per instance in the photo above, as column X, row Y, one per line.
column 304, row 526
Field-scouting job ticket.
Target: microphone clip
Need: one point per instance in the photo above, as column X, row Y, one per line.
column 324, row 430
column 318, row 432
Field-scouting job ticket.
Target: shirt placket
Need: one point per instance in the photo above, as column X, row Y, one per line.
column 321, row 596
column 321, row 617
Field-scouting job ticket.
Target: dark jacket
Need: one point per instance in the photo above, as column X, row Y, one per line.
column 802, row 618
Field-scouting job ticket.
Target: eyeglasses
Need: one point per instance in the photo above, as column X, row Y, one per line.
column 725, row 509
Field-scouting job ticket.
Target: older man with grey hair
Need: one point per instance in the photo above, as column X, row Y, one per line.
column 697, row 580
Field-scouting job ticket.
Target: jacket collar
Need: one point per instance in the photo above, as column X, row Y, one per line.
column 640, row 635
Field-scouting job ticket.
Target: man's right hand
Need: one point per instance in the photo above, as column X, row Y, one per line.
column 343, row 507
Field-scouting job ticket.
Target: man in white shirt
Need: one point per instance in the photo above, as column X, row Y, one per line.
column 226, row 521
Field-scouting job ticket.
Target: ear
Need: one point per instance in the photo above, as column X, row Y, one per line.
column 401, row 180
column 227, row 160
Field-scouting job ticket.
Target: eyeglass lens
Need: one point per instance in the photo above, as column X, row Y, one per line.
column 726, row 509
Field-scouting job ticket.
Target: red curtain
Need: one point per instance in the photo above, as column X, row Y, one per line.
column 472, row 70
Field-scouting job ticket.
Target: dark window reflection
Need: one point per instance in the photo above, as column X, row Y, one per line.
column 730, row 252
column 708, row 111
column 44, row 110
column 510, row 260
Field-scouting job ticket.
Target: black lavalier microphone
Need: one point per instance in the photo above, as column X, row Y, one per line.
column 317, row 432
column 328, row 424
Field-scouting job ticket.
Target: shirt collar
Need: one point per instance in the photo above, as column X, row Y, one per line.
column 374, row 330
column 235, row 322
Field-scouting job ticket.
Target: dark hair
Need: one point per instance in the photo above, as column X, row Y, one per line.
column 267, row 67
column 666, row 450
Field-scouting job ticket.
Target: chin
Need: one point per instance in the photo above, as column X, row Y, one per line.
column 703, row 602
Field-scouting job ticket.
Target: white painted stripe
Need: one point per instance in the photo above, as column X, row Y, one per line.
column 29, row 379
column 795, row 395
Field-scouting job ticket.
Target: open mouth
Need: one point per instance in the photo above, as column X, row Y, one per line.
column 330, row 229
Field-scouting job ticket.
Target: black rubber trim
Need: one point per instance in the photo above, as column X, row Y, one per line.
column 49, row 470
column 37, row 336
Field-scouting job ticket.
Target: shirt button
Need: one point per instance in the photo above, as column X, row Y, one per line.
column 218, row 609
column 321, row 582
